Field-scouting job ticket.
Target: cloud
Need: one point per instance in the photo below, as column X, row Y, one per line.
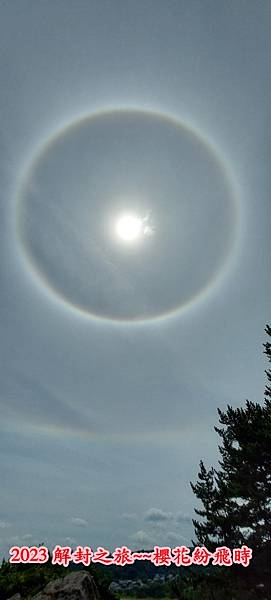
column 79, row 522
column 183, row 517
column 173, row 538
column 14, row 539
column 160, row 538
column 155, row 515
column 142, row 537
column 129, row 516
column 69, row 540
column 4, row 524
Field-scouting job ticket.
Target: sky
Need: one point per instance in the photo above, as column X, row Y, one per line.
column 116, row 353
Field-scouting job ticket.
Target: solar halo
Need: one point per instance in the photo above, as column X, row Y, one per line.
column 113, row 216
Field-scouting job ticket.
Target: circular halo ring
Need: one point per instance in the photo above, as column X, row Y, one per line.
column 47, row 287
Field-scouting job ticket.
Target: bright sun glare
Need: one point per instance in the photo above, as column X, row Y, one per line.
column 129, row 227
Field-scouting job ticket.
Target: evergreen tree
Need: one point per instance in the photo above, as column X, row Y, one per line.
column 236, row 497
column 267, row 351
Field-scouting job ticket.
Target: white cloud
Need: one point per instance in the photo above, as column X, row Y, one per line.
column 142, row 537
column 183, row 517
column 240, row 501
column 155, row 515
column 172, row 538
column 14, row 539
column 70, row 541
column 128, row 516
column 79, row 522
column 160, row 538
column 246, row 531
column 4, row 524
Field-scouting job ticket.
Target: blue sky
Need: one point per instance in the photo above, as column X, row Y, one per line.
column 104, row 420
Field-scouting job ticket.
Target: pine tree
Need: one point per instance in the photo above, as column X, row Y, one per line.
column 236, row 497
column 267, row 351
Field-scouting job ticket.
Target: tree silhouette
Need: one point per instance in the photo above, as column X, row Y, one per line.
column 236, row 497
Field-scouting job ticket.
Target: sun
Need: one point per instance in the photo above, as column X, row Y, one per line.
column 129, row 228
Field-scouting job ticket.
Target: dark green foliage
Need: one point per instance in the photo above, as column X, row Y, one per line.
column 27, row 579
column 151, row 590
column 102, row 579
column 214, row 586
column 142, row 569
column 267, row 351
column 236, row 497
